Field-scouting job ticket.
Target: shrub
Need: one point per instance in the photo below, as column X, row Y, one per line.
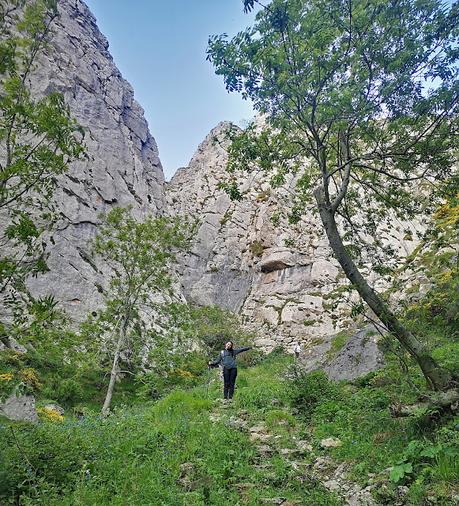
column 50, row 415
column 275, row 354
column 30, row 377
column 251, row 358
column 64, row 390
column 256, row 248
column 45, row 454
column 307, row 390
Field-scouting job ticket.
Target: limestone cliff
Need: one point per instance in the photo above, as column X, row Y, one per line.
column 279, row 277
column 243, row 262
column 122, row 167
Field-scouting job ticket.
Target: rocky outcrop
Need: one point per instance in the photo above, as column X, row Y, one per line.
column 216, row 271
column 276, row 277
column 279, row 277
column 20, row 408
column 122, row 166
column 360, row 355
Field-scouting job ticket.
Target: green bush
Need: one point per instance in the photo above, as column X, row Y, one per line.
column 69, row 390
column 307, row 390
column 251, row 358
column 50, row 453
column 182, row 371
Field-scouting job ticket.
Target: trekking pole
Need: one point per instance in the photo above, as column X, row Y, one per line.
column 208, row 382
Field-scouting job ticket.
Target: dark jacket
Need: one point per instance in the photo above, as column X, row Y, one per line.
column 228, row 357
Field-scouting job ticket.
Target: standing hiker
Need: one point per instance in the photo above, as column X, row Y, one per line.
column 297, row 351
column 227, row 358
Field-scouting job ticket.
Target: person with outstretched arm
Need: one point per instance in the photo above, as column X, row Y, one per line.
column 227, row 358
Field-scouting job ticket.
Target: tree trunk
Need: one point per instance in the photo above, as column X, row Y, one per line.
column 439, row 401
column 115, row 369
column 437, row 378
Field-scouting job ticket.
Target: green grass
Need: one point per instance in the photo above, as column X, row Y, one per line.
column 172, row 452
column 169, row 452
column 337, row 344
column 278, row 417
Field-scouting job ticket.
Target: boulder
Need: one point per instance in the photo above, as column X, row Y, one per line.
column 276, row 261
column 330, row 442
column 55, row 407
column 359, row 356
column 12, row 344
column 20, row 408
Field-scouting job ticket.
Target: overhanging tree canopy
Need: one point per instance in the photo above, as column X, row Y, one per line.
column 39, row 138
column 367, row 91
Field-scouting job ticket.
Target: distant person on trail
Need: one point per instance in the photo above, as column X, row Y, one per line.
column 227, row 358
column 297, row 350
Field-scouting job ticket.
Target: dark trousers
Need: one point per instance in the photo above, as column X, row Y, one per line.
column 229, row 380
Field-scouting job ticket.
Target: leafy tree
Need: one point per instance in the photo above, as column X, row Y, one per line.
column 140, row 255
column 213, row 326
column 38, row 140
column 437, row 257
column 360, row 99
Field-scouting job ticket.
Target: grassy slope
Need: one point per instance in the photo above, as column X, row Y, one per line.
column 181, row 450
column 188, row 450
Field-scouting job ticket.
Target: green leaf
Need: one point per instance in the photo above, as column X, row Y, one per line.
column 399, row 471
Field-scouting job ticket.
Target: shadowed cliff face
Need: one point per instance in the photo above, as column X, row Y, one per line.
column 122, row 167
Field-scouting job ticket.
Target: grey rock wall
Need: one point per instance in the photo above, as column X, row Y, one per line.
column 279, row 278
column 240, row 259
column 122, row 167
column 360, row 355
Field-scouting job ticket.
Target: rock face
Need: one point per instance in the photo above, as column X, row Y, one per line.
column 359, row 356
column 242, row 261
column 247, row 257
column 216, row 271
column 20, row 408
column 122, row 167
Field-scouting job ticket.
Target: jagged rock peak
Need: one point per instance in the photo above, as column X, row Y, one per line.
column 214, row 145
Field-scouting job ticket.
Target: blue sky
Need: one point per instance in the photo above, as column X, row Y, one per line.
column 159, row 46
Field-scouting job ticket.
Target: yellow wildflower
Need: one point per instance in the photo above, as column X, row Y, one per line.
column 50, row 415
column 6, row 376
column 447, row 214
column 30, row 377
column 182, row 373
